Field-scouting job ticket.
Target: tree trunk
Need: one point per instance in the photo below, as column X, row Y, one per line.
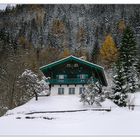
column 36, row 96
column 12, row 94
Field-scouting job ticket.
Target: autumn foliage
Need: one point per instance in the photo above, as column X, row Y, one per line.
column 58, row 27
column 108, row 51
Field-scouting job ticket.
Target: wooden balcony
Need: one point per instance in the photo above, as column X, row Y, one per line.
column 68, row 81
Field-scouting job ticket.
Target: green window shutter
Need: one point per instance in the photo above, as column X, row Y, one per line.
column 86, row 75
column 78, row 76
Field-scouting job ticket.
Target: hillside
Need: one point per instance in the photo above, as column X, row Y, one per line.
column 32, row 36
column 118, row 122
column 70, row 26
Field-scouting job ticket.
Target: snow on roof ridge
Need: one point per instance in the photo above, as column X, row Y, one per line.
column 88, row 62
column 73, row 57
column 56, row 61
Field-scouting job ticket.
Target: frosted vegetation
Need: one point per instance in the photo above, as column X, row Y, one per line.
column 35, row 35
column 93, row 94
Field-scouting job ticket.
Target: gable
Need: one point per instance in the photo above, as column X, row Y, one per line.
column 67, row 59
column 55, row 65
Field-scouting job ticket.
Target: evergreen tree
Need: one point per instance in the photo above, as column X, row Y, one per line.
column 138, row 66
column 128, row 59
column 119, row 88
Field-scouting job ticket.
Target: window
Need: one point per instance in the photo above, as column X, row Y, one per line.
column 60, row 91
column 61, row 77
column 71, row 90
column 83, row 76
column 81, row 89
column 75, row 65
column 68, row 65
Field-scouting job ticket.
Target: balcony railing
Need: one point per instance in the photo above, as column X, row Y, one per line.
column 68, row 81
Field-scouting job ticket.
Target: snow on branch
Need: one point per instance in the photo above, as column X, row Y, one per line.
column 93, row 94
column 30, row 83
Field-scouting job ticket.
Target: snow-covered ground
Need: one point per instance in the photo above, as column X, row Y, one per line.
column 120, row 121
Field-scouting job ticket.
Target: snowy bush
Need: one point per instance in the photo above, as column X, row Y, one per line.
column 31, row 85
column 93, row 94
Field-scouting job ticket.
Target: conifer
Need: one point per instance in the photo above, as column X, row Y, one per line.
column 128, row 58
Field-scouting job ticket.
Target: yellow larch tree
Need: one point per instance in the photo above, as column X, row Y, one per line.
column 108, row 52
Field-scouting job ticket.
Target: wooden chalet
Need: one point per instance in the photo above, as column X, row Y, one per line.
column 71, row 75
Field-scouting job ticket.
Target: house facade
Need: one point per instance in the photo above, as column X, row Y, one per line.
column 70, row 75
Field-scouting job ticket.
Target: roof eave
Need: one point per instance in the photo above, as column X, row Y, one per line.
column 94, row 65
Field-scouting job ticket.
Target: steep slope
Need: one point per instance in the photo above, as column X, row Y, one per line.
column 71, row 26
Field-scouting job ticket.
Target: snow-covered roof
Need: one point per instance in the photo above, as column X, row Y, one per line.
column 69, row 58
column 47, row 67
